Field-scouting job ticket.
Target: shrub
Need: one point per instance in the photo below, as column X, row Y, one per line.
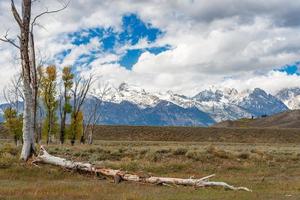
column 163, row 151
column 6, row 160
column 153, row 156
column 179, row 151
column 130, row 166
column 8, row 148
column 194, row 155
column 144, row 151
column 218, row 153
column 257, row 152
column 244, row 155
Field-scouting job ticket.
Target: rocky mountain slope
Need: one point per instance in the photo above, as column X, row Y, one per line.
column 130, row 105
column 207, row 107
column 290, row 97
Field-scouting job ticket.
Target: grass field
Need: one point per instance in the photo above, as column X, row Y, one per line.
column 271, row 170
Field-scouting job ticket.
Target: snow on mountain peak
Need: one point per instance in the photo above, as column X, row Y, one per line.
column 290, row 97
column 133, row 94
column 220, row 103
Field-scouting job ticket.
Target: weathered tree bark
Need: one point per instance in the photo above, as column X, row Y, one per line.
column 28, row 122
column 29, row 73
column 118, row 175
column 34, row 84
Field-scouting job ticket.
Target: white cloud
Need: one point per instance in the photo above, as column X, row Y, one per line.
column 271, row 82
column 210, row 40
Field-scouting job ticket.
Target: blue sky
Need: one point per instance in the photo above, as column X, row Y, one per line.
column 133, row 30
column 291, row 69
column 183, row 46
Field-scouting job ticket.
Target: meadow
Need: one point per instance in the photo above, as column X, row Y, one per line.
column 271, row 170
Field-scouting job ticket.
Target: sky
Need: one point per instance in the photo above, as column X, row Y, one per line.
column 159, row 45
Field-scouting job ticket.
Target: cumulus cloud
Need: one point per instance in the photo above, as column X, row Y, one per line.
column 226, row 42
column 271, row 82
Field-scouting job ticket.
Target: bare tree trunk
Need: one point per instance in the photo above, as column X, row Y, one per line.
column 63, row 121
column 34, row 84
column 29, row 73
column 94, row 113
column 28, row 127
column 81, row 89
column 90, row 137
column 28, row 121
column 63, row 128
column 118, row 175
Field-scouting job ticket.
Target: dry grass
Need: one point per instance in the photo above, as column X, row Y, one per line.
column 198, row 134
column 271, row 170
column 192, row 134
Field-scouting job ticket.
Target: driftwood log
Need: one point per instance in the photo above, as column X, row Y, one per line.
column 118, row 175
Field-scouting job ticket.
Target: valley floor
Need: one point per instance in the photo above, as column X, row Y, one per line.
column 272, row 171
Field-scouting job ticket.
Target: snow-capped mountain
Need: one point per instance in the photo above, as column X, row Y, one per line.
column 220, row 104
column 290, row 97
column 131, row 105
column 258, row 103
column 131, row 94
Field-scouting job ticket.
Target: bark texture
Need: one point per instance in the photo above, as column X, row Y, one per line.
column 118, row 175
column 28, row 67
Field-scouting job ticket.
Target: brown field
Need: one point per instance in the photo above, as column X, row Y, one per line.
column 242, row 157
column 198, row 134
column 288, row 119
column 192, row 134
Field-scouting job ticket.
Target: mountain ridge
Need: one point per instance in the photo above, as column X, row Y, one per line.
column 288, row 119
column 220, row 104
column 131, row 105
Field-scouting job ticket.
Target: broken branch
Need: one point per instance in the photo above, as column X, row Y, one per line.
column 8, row 40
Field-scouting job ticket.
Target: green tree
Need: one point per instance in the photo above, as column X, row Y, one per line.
column 48, row 93
column 65, row 105
column 76, row 127
column 14, row 123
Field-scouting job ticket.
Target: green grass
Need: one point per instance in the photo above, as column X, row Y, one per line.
column 272, row 171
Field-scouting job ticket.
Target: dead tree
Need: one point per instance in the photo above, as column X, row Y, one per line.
column 118, row 175
column 12, row 112
column 93, row 112
column 13, row 93
column 28, row 72
column 80, row 91
column 26, row 48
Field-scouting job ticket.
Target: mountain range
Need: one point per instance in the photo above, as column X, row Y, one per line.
column 130, row 105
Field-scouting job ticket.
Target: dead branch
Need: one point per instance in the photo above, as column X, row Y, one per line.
column 45, row 157
column 93, row 113
column 48, row 12
column 16, row 14
column 8, row 40
column 12, row 92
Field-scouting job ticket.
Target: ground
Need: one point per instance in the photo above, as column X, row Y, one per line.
column 271, row 170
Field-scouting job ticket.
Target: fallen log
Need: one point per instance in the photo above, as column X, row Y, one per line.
column 118, row 175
